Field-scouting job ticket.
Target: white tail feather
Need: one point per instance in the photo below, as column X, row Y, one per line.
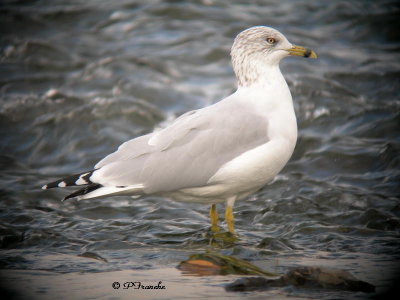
column 112, row 191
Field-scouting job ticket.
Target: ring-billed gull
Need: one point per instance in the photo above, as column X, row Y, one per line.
column 221, row 153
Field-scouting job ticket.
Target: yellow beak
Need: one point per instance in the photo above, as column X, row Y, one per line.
column 301, row 51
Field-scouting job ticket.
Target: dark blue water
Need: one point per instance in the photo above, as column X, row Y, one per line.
column 78, row 78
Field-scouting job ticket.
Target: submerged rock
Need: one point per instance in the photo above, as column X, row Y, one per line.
column 246, row 284
column 305, row 277
column 93, row 255
column 326, row 278
column 212, row 263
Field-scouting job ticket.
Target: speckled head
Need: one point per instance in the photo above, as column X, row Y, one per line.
column 259, row 48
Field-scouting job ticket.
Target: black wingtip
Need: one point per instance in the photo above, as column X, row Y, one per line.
column 73, row 180
column 83, row 191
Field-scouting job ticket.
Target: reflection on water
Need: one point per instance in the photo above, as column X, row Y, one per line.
column 77, row 79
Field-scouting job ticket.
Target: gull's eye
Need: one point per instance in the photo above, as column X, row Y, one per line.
column 271, row 41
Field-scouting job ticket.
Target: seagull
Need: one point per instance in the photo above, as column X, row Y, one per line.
column 220, row 153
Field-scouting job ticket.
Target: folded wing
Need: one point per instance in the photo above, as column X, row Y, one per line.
column 187, row 153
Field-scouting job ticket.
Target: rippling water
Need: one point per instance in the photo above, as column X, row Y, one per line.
column 78, row 78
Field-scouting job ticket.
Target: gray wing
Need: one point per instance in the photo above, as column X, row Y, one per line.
column 188, row 152
column 127, row 151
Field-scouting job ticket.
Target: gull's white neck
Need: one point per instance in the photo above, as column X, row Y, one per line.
column 269, row 86
column 270, row 96
column 260, row 76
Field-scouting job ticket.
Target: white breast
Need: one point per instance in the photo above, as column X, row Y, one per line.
column 252, row 169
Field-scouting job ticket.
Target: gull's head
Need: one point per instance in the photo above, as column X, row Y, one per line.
column 257, row 49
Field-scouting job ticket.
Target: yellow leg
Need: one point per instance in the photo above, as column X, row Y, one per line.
column 229, row 218
column 214, row 218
